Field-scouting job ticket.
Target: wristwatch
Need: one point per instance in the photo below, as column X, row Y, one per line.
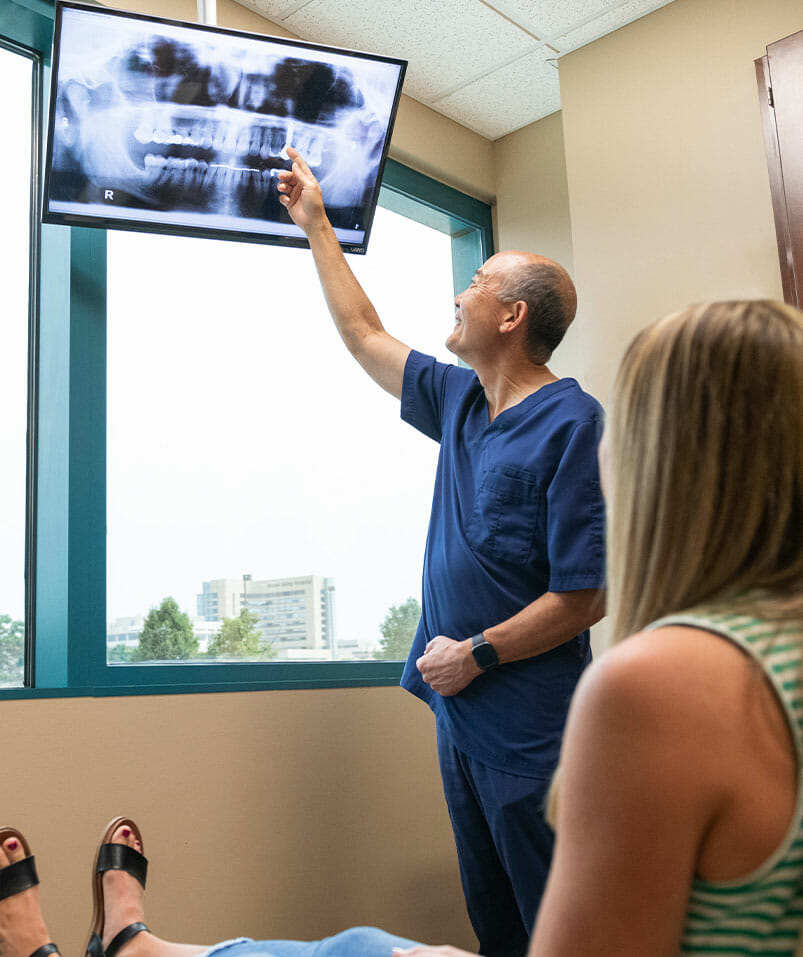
column 483, row 652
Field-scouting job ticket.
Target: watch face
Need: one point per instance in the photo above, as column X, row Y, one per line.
column 484, row 655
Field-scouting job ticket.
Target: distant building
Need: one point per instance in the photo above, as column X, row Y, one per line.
column 296, row 614
column 125, row 632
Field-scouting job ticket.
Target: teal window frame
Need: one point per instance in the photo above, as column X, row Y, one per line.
column 69, row 651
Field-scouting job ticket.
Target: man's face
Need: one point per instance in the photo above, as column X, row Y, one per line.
column 478, row 311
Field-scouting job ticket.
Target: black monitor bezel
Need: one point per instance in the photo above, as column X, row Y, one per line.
column 208, row 232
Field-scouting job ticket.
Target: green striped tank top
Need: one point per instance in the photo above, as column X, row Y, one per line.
column 762, row 913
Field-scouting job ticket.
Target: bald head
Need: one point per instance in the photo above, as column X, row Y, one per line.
column 549, row 293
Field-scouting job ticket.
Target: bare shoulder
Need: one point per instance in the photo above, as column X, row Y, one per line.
column 655, row 715
column 676, row 689
column 676, row 659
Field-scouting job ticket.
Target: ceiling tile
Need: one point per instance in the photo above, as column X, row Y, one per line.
column 475, row 61
column 275, row 10
column 507, row 99
column 548, row 18
column 607, row 23
column 446, row 43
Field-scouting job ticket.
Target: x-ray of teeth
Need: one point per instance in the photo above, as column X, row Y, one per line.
column 160, row 122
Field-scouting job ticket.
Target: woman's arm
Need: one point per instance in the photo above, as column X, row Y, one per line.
column 636, row 795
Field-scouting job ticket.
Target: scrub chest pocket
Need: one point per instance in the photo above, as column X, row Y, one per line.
column 509, row 510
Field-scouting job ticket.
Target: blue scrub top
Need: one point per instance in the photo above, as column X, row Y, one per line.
column 517, row 511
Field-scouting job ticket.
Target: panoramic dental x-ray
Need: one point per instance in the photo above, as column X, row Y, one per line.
column 160, row 123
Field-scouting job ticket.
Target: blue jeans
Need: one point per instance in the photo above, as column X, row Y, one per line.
column 357, row 942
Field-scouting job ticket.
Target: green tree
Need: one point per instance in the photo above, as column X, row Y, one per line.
column 240, row 637
column 121, row 653
column 398, row 630
column 166, row 634
column 12, row 651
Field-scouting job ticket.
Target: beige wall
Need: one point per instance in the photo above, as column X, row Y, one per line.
column 668, row 186
column 533, row 192
column 274, row 814
column 532, row 211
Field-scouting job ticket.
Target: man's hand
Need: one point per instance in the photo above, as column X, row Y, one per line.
column 301, row 193
column 424, row 951
column 447, row 665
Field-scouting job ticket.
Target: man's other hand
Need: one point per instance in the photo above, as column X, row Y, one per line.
column 447, row 665
column 301, row 193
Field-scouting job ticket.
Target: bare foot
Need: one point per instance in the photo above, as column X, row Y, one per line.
column 22, row 927
column 123, row 895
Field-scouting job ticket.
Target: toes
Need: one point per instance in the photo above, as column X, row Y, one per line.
column 13, row 850
column 125, row 835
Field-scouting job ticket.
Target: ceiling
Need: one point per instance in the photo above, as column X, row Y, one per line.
column 491, row 65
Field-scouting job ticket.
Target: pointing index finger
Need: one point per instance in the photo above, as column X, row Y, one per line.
column 298, row 160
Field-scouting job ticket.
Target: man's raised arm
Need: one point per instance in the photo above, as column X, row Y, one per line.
column 382, row 356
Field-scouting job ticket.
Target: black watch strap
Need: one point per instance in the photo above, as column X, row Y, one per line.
column 483, row 652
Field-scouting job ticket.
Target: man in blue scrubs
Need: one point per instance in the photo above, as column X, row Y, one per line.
column 514, row 558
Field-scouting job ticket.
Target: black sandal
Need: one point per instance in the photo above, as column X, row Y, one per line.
column 20, row 877
column 113, row 857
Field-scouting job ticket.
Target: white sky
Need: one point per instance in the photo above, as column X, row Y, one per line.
column 243, row 438
column 15, row 74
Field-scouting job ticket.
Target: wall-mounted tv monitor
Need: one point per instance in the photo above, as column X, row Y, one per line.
column 182, row 128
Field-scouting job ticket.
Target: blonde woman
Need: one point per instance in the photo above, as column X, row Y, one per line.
column 679, row 804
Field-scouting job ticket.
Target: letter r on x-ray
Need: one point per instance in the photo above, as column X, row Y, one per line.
column 108, row 194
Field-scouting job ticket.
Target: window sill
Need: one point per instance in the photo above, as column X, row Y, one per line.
column 135, row 680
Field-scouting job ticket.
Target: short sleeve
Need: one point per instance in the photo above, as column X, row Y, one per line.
column 576, row 515
column 425, row 389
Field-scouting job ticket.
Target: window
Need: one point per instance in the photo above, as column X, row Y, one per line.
column 306, row 528
column 169, row 419
column 18, row 72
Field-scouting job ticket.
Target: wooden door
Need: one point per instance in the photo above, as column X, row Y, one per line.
column 780, row 83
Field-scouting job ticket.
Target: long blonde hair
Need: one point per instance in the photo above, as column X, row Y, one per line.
column 704, row 490
column 705, row 465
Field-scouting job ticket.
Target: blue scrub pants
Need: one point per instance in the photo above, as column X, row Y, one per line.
column 504, row 847
column 357, row 942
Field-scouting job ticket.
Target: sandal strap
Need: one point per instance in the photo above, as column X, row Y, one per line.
column 121, row 857
column 94, row 948
column 18, row 877
column 45, row 950
column 126, row 934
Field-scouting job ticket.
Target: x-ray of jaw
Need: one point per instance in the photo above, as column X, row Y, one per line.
column 201, row 127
